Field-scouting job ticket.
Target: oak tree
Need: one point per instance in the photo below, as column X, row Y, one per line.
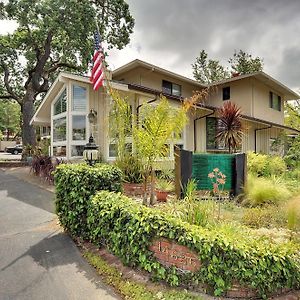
column 52, row 35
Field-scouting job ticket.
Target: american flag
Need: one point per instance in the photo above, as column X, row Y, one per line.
column 97, row 76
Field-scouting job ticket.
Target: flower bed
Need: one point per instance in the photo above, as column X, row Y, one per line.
column 129, row 230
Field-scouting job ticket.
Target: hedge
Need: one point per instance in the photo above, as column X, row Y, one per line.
column 75, row 184
column 128, row 229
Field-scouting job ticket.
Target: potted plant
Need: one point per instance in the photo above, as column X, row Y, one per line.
column 163, row 187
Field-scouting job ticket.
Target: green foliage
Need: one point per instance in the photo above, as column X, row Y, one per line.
column 244, row 63
column 128, row 229
column 268, row 216
column 293, row 214
column 9, row 117
column 230, row 129
column 265, row 165
column 130, row 289
column 208, row 70
column 52, row 35
column 131, row 167
column 264, row 191
column 120, row 125
column 157, row 126
column 292, row 158
column 75, row 184
column 164, row 185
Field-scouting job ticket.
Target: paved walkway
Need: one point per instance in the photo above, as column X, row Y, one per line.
column 37, row 260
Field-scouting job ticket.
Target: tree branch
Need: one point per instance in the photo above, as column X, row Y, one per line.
column 60, row 65
column 9, row 89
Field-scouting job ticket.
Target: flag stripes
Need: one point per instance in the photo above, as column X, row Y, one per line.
column 97, row 76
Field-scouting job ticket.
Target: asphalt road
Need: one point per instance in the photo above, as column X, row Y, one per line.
column 37, row 260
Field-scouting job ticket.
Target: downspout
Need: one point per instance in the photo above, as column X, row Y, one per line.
column 255, row 135
column 195, row 134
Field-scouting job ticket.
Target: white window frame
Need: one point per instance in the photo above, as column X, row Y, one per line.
column 59, row 116
column 78, row 113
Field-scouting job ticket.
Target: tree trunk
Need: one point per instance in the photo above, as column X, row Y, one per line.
column 28, row 131
column 152, row 187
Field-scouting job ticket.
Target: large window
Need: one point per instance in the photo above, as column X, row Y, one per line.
column 60, row 129
column 60, row 106
column 78, row 118
column 79, row 101
column 78, row 128
column 171, row 88
column 211, row 133
column 275, row 101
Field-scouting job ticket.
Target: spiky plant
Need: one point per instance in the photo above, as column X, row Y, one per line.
column 230, row 130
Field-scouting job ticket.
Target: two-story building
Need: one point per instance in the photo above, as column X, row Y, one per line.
column 71, row 97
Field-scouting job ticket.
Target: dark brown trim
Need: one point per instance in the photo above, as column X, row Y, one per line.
column 136, row 87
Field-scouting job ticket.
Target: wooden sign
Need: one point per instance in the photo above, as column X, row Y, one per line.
column 170, row 254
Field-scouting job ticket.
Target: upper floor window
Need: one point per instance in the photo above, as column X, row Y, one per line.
column 275, row 101
column 226, row 93
column 60, row 105
column 171, row 88
column 79, row 101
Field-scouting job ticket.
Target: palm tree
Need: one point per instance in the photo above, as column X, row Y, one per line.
column 230, row 130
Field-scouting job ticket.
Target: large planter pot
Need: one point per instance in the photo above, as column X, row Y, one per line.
column 161, row 196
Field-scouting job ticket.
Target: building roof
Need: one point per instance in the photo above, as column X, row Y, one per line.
column 261, row 76
column 267, row 80
column 140, row 63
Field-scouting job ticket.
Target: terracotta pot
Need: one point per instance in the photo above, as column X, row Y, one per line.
column 161, row 196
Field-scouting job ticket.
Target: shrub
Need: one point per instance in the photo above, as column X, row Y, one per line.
column 128, row 229
column 74, row 184
column 293, row 214
column 44, row 166
column 131, row 167
column 265, row 165
column 264, row 191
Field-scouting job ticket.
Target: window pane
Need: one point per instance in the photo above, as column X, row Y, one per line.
column 211, row 130
column 79, row 98
column 112, row 150
column 176, row 89
column 60, row 105
column 59, row 151
column 59, row 130
column 167, row 87
column 78, row 128
column 77, row 150
column 226, row 93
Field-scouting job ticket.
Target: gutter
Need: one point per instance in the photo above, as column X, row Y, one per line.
column 255, row 135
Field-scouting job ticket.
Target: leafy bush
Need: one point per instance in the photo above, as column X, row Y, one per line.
column 131, row 167
column 264, row 191
column 265, row 165
column 75, row 184
column 128, row 229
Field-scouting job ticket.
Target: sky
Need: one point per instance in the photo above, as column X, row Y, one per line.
column 171, row 34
